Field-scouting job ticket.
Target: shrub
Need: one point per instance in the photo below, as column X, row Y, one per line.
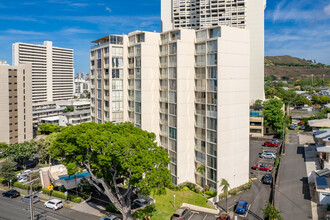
column 111, row 208
column 211, row 193
column 140, row 214
column 61, row 195
column 185, row 189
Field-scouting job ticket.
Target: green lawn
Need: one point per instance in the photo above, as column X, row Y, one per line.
column 164, row 205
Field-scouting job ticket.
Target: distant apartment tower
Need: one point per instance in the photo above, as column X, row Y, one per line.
column 52, row 70
column 190, row 88
column 248, row 14
column 81, row 84
column 15, row 103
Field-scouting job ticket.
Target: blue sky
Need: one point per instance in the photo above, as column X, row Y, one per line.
column 292, row 27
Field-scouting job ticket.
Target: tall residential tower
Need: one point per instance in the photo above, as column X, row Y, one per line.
column 246, row 14
column 189, row 87
column 15, row 103
column 52, row 70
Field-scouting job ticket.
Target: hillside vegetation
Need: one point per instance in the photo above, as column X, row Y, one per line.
column 293, row 67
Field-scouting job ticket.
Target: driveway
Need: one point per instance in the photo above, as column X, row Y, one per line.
column 292, row 196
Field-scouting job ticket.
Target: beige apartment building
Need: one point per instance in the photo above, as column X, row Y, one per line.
column 52, row 70
column 245, row 14
column 189, row 87
column 15, row 103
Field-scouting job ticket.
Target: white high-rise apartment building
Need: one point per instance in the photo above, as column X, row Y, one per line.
column 52, row 70
column 248, row 14
column 191, row 88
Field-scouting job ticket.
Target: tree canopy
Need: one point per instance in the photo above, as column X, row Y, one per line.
column 69, row 108
column 49, row 128
column 115, row 154
column 271, row 212
column 273, row 114
column 7, row 170
column 43, row 146
column 20, row 153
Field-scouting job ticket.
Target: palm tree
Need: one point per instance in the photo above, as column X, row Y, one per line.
column 201, row 170
column 225, row 187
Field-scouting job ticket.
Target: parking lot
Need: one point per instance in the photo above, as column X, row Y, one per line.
column 256, row 148
column 194, row 215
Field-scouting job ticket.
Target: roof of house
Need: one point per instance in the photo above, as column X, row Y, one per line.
column 319, row 123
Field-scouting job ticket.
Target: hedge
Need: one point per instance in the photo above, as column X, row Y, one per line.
column 21, row 185
column 61, row 195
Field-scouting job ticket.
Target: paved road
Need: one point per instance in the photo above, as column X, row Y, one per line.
column 11, row 209
column 292, row 196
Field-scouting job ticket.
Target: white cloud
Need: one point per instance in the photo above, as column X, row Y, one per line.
column 21, row 32
column 327, row 9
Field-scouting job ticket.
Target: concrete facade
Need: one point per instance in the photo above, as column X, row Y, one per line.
column 15, row 103
column 52, row 70
column 245, row 14
column 190, row 88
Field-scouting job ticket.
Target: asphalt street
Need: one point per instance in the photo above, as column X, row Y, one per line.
column 15, row 209
column 292, row 196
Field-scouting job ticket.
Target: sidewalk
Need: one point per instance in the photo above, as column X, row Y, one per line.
column 83, row 207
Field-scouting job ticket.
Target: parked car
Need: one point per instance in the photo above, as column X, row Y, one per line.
column 11, row 193
column 140, row 202
column 262, row 167
column 24, row 173
column 54, row 204
column 302, row 127
column 180, row 213
column 292, row 127
column 268, row 151
column 27, row 199
column 224, row 217
column 22, row 179
column 297, row 108
column 267, row 179
column 276, row 141
column 270, row 144
column 268, row 155
column 111, row 217
column 241, row 207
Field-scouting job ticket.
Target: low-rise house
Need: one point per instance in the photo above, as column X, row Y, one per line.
column 58, row 176
column 54, row 120
column 322, row 140
column 317, row 124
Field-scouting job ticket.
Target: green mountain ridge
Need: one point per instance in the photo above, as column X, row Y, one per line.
column 293, row 67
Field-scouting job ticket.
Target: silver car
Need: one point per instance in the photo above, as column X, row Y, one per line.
column 268, row 155
column 180, row 213
column 27, row 199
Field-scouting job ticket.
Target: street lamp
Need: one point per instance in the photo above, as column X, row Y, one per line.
column 174, row 200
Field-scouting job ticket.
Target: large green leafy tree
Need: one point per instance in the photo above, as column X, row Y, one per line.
column 274, row 115
column 43, row 146
column 49, row 128
column 7, row 170
column 115, row 154
column 20, row 153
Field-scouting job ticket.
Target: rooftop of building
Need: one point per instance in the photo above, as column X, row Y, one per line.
column 77, row 113
column 319, row 123
column 53, row 118
column 74, row 102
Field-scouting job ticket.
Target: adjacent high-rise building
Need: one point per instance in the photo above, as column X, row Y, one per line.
column 81, row 85
column 189, row 87
column 15, row 103
column 52, row 70
column 246, row 14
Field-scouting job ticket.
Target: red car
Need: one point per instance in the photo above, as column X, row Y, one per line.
column 271, row 144
column 224, row 217
column 262, row 167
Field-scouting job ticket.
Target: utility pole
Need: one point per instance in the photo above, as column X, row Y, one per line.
column 312, row 80
column 31, row 194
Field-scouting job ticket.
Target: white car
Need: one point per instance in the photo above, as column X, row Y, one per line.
column 268, row 155
column 24, row 173
column 22, row 179
column 54, row 204
column 111, row 217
